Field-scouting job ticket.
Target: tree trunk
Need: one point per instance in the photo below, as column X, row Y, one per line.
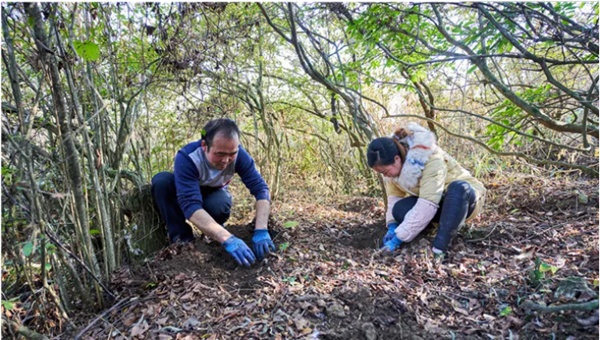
column 104, row 220
column 67, row 136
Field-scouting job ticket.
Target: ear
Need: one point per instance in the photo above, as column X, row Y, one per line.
column 203, row 145
column 398, row 160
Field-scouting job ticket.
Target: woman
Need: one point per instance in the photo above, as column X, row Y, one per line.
column 424, row 184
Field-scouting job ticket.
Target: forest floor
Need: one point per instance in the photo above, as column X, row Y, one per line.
column 536, row 244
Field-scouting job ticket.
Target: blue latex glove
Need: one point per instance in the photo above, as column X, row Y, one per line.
column 262, row 243
column 392, row 244
column 391, row 231
column 239, row 250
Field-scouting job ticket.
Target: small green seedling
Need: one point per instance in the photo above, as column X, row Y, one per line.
column 290, row 224
column 505, row 311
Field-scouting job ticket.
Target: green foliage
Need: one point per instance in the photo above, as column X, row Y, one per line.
column 27, row 248
column 88, row 50
column 505, row 311
column 7, row 174
column 9, row 304
column 284, row 246
column 538, row 273
column 537, row 95
column 290, row 279
column 509, row 114
column 544, row 267
column 290, row 224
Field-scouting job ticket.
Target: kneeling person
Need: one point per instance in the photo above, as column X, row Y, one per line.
column 424, row 184
column 197, row 191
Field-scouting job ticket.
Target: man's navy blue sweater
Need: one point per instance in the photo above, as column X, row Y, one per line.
column 192, row 171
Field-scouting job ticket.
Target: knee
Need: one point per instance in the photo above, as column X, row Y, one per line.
column 219, row 213
column 218, row 206
column 402, row 207
column 163, row 182
column 458, row 189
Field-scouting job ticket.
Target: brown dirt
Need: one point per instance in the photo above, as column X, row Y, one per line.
column 324, row 282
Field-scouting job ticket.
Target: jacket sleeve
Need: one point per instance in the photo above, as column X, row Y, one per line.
column 251, row 178
column 392, row 200
column 189, row 196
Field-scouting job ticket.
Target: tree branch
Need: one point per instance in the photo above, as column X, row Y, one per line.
column 582, row 306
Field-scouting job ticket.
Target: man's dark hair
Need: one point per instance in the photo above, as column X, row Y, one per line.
column 223, row 126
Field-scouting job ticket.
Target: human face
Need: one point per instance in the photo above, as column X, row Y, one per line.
column 223, row 151
column 392, row 170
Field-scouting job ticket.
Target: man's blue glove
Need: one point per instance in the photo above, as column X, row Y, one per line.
column 261, row 243
column 392, row 244
column 391, row 231
column 239, row 250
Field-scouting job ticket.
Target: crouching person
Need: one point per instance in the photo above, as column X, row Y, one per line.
column 197, row 191
column 423, row 184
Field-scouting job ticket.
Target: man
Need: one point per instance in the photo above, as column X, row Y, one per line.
column 197, row 191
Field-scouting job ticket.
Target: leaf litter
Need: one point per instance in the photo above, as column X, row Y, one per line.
column 536, row 243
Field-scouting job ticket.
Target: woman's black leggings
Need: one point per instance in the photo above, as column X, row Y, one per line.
column 458, row 203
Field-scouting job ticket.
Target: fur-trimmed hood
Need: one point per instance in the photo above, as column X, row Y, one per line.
column 421, row 145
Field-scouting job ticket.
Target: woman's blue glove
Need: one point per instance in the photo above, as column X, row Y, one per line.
column 392, row 244
column 239, row 250
column 261, row 243
column 391, row 231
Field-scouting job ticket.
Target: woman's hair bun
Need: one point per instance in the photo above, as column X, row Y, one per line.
column 401, row 133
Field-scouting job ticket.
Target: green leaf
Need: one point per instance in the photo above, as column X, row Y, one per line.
column 583, row 198
column 94, row 232
column 283, row 246
column 290, row 224
column 506, row 311
column 291, row 280
column 28, row 249
column 8, row 305
column 50, row 247
column 48, row 266
column 6, row 171
column 88, row 50
column 544, row 267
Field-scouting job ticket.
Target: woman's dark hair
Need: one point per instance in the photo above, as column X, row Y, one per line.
column 224, row 126
column 383, row 150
